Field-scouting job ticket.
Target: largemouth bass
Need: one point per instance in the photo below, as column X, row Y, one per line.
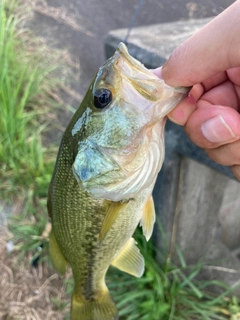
column 101, row 189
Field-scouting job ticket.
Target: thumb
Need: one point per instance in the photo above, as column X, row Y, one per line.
column 212, row 49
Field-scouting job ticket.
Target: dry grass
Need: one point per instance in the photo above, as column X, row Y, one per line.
column 27, row 292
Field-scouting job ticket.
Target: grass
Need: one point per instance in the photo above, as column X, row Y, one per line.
column 26, row 84
column 170, row 292
column 30, row 78
column 30, row 235
column 29, row 82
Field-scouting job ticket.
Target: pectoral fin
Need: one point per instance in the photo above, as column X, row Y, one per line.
column 130, row 259
column 113, row 212
column 148, row 218
column 58, row 260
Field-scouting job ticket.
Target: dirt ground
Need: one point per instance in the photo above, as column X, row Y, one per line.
column 27, row 292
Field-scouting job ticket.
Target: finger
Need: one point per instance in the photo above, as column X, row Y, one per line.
column 227, row 155
column 185, row 108
column 157, row 72
column 183, row 111
column 224, row 94
column 213, row 49
column 234, row 75
column 213, row 126
column 214, row 81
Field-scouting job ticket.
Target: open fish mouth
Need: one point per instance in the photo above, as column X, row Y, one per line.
column 122, row 50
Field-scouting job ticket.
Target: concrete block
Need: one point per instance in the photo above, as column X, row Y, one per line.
column 200, row 193
column 189, row 198
column 221, row 264
column 153, row 44
column 229, row 215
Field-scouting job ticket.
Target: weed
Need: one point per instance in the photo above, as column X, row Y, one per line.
column 26, row 83
column 29, row 234
column 30, row 78
column 169, row 292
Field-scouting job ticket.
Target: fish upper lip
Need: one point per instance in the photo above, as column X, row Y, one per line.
column 122, row 49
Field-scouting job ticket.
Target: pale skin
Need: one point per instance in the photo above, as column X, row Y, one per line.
column 210, row 62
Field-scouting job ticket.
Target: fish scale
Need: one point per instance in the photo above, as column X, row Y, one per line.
column 101, row 189
column 71, row 219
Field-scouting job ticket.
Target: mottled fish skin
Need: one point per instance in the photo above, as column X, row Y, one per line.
column 101, row 187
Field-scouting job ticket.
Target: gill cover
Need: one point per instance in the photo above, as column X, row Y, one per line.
column 91, row 162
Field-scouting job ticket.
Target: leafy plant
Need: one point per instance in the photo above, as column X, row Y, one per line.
column 30, row 78
column 30, row 235
column 169, row 292
column 26, row 86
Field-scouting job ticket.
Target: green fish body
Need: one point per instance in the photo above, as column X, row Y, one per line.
column 101, row 189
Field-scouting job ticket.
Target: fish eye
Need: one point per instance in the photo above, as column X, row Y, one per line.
column 102, row 97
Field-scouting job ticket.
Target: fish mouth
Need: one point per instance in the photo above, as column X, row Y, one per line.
column 123, row 51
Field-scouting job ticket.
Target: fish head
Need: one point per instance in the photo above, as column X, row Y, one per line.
column 121, row 128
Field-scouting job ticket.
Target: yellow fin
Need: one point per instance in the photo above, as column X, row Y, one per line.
column 101, row 308
column 148, row 218
column 130, row 259
column 58, row 260
column 113, row 212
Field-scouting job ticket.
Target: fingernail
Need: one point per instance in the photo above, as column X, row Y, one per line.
column 217, row 130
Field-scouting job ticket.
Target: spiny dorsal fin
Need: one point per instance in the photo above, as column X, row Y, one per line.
column 130, row 259
column 148, row 218
column 113, row 212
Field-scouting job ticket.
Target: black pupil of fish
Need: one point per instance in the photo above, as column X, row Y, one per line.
column 102, row 98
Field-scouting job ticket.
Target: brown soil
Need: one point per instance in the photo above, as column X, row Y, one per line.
column 27, row 292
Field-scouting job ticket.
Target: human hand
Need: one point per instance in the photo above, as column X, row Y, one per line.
column 210, row 62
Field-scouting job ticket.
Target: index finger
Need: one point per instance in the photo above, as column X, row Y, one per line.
column 213, row 49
